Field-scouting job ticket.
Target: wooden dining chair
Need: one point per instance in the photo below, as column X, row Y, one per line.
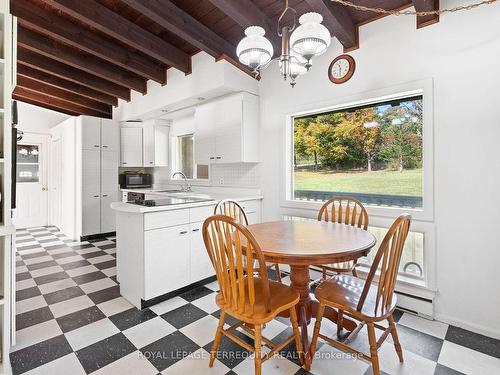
column 253, row 300
column 365, row 300
column 233, row 209
column 345, row 210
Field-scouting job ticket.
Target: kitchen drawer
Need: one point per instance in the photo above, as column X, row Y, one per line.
column 250, row 206
column 201, row 213
column 162, row 219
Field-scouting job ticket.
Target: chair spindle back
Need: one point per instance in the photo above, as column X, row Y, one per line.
column 387, row 259
column 232, row 209
column 344, row 210
column 236, row 255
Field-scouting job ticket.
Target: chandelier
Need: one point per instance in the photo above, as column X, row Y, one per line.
column 298, row 45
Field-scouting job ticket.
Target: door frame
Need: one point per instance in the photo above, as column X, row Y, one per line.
column 51, row 183
column 43, row 140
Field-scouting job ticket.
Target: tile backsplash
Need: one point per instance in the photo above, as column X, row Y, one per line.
column 231, row 175
column 235, row 175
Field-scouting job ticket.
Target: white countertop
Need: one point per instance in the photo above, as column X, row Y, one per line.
column 239, row 196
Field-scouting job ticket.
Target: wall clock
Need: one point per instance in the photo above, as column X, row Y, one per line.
column 341, row 69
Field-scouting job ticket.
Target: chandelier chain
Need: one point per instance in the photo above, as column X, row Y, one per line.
column 412, row 12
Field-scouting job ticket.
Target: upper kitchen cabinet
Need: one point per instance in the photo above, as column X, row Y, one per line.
column 110, row 135
column 227, row 130
column 91, row 133
column 100, row 134
column 131, row 147
column 155, row 145
column 145, row 146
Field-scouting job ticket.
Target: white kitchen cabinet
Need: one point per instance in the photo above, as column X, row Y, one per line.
column 109, row 190
column 166, row 260
column 227, row 130
column 145, row 146
column 131, row 147
column 110, row 135
column 91, row 133
column 91, row 213
column 204, row 134
column 155, row 145
column 99, row 181
column 200, row 264
column 162, row 251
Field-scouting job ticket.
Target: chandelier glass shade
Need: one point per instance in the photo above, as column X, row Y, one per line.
column 311, row 38
column 254, row 50
column 298, row 45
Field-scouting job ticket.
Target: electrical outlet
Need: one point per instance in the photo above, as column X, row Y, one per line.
column 221, row 181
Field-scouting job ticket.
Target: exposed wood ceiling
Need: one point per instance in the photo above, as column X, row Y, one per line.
column 79, row 57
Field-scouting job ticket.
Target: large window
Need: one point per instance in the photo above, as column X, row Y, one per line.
column 185, row 158
column 372, row 152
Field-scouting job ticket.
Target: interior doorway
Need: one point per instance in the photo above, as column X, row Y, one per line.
column 32, row 181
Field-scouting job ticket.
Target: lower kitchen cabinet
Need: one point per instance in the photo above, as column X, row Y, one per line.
column 166, row 260
column 162, row 251
column 200, row 264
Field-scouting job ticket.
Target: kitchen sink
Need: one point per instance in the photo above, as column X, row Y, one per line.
column 189, row 195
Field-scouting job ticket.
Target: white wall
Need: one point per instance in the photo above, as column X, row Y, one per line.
column 33, row 119
column 462, row 55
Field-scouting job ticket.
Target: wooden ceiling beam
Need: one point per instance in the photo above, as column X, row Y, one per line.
column 60, row 83
column 112, row 24
column 42, row 98
column 43, row 105
column 63, row 95
column 426, row 6
column 64, row 71
column 338, row 20
column 177, row 21
column 245, row 13
column 78, row 59
column 61, row 29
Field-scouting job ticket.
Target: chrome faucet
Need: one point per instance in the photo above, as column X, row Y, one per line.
column 187, row 186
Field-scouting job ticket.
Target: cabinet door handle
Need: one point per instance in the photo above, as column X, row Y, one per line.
column 218, row 157
column 96, row 145
column 196, row 230
column 123, row 162
column 96, row 196
column 183, row 232
column 150, row 162
column 105, row 195
column 104, row 146
column 212, row 158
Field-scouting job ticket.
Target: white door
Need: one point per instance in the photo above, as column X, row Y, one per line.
column 91, row 133
column 131, row 147
column 55, row 172
column 31, row 182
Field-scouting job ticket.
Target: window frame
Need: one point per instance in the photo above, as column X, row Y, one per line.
column 423, row 218
column 424, row 88
column 174, row 157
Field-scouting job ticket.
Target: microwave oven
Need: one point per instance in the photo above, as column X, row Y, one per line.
column 136, row 180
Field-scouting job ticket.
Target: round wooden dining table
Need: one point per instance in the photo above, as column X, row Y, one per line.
column 301, row 244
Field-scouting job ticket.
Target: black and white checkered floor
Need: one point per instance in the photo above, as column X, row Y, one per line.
column 71, row 320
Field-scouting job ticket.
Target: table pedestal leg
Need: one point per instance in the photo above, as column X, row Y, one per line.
column 299, row 276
